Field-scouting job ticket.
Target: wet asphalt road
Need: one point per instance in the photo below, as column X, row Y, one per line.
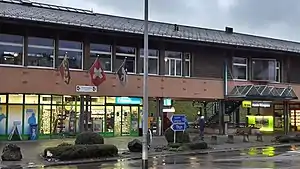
column 267, row 158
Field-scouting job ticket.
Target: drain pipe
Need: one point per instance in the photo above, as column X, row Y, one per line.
column 225, row 78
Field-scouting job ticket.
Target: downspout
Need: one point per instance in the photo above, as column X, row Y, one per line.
column 225, row 78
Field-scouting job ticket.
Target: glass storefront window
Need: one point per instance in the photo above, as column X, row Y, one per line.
column 98, row 100
column 45, row 119
column 73, row 50
column 70, row 102
column 40, row 52
column 2, row 98
column 57, row 120
column 57, row 99
column 98, row 116
column 45, row 99
column 15, row 98
column 11, row 49
column 110, row 99
column 134, row 119
column 15, row 118
column 31, row 117
column 3, row 119
column 110, row 119
column 31, row 99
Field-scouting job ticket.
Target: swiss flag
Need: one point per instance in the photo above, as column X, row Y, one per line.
column 97, row 74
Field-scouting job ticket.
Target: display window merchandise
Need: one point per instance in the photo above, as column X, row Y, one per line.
column 33, row 116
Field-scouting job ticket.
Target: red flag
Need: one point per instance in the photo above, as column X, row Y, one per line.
column 97, row 74
column 64, row 70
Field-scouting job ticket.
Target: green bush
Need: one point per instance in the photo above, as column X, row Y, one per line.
column 75, row 152
column 64, row 144
column 174, row 145
column 181, row 137
column 89, row 138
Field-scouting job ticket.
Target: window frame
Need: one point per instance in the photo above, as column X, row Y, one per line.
column 266, row 59
column 129, row 55
column 167, row 58
column 278, row 68
column 43, row 47
column 104, row 53
column 241, row 65
column 189, row 61
column 71, row 50
column 16, row 45
column 151, row 57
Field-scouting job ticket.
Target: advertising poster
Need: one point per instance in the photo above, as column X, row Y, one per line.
column 2, row 119
column 30, row 119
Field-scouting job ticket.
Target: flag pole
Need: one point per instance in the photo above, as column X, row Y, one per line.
column 145, row 91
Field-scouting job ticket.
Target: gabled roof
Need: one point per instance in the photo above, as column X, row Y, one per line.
column 263, row 92
column 26, row 10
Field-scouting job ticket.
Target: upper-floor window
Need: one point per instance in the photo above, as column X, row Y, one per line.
column 264, row 69
column 173, row 66
column 153, row 61
column 239, row 68
column 11, row 49
column 104, row 52
column 278, row 71
column 187, row 62
column 40, row 52
column 73, row 50
column 129, row 53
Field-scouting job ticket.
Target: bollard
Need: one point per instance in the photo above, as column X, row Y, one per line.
column 230, row 139
column 214, row 140
column 259, row 137
column 245, row 137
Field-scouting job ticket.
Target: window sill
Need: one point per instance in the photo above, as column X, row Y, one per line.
column 241, row 80
column 10, row 65
column 40, row 67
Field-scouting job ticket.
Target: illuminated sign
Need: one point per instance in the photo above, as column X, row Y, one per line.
column 246, row 104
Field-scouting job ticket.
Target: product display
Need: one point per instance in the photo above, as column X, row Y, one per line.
column 295, row 118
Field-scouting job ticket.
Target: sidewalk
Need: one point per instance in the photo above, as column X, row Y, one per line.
column 32, row 149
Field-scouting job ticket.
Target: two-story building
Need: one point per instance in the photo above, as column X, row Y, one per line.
column 185, row 63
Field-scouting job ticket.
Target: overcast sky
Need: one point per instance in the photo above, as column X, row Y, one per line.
column 271, row 18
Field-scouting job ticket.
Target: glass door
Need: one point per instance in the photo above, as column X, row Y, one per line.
column 118, row 121
column 126, row 121
column 134, row 121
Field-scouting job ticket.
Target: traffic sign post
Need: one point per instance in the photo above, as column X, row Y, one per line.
column 178, row 124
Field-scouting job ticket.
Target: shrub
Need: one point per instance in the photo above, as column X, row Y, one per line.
column 197, row 145
column 89, row 138
column 64, row 144
column 75, row 152
column 174, row 145
column 181, row 137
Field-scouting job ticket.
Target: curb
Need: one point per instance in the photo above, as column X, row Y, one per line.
column 114, row 159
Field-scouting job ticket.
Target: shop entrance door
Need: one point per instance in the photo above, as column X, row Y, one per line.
column 122, row 121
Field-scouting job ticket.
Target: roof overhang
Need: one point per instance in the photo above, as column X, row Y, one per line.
column 262, row 92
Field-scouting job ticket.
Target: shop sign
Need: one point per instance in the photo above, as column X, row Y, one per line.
column 167, row 102
column 261, row 104
column 128, row 100
column 86, row 89
column 246, row 104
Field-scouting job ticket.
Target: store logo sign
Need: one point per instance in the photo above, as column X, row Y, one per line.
column 261, row 104
column 128, row 100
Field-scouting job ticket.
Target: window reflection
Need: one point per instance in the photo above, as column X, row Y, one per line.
column 104, row 53
column 73, row 50
column 126, row 52
column 40, row 52
column 152, row 61
column 11, row 49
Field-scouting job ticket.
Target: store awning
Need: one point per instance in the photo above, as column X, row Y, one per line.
column 262, row 92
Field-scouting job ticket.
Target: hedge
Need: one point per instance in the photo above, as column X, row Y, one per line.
column 89, row 138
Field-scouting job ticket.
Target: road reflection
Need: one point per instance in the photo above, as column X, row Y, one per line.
column 264, row 158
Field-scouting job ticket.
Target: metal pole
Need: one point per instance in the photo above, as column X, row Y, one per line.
column 145, row 91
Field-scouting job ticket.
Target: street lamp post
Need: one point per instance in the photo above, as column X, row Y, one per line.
column 145, row 91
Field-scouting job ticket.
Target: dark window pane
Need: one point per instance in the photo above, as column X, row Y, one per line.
column 11, row 54
column 105, row 60
column 187, row 56
column 130, row 63
column 125, row 50
column 152, row 65
column 75, row 58
column 151, row 52
column 11, row 38
column 178, row 67
column 187, row 68
column 240, row 72
column 70, row 44
column 167, row 67
column 264, row 70
column 172, row 67
column 170, row 54
column 40, row 41
column 100, row 47
column 40, row 57
column 239, row 60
